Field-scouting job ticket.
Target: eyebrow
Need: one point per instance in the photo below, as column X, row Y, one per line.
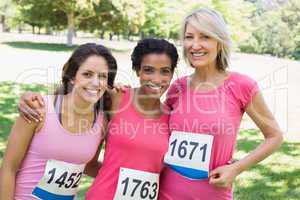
column 169, row 67
column 188, row 33
column 89, row 71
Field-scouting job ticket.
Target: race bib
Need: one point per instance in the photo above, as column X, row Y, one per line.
column 136, row 184
column 189, row 154
column 60, row 181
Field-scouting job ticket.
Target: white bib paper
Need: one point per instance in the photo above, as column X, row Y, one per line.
column 189, row 154
column 136, row 184
column 60, row 181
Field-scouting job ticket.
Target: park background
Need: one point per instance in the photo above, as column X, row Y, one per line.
column 38, row 36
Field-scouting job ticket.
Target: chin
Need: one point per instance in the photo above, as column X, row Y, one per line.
column 91, row 99
column 199, row 64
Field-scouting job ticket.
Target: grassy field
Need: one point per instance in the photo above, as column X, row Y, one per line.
column 43, row 46
column 276, row 178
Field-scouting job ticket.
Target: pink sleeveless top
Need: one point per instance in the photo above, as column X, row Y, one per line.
column 132, row 142
column 217, row 112
column 55, row 143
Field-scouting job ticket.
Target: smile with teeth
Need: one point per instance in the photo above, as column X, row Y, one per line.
column 154, row 87
column 198, row 54
column 92, row 91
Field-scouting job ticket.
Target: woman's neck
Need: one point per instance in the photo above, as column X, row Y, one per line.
column 206, row 74
column 206, row 78
column 75, row 104
column 147, row 105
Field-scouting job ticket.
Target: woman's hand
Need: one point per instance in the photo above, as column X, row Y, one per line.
column 223, row 176
column 119, row 87
column 28, row 108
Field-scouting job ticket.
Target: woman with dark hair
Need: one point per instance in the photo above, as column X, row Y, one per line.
column 52, row 154
column 138, row 132
column 137, row 136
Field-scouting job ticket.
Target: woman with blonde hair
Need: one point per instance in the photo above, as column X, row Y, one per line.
column 207, row 108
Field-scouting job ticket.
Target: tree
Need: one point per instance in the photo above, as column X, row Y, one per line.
column 155, row 19
column 132, row 14
column 114, row 18
column 35, row 13
column 74, row 10
column 57, row 13
column 290, row 14
column 7, row 9
column 275, row 29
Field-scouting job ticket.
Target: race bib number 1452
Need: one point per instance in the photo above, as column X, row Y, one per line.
column 60, row 181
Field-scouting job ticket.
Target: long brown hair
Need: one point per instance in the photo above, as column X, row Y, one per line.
column 71, row 67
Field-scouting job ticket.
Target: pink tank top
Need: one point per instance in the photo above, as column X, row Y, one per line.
column 217, row 112
column 133, row 142
column 53, row 142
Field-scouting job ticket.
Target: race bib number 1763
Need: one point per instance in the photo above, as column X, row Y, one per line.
column 136, row 184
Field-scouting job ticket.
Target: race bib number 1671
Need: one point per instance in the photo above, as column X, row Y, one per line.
column 189, row 154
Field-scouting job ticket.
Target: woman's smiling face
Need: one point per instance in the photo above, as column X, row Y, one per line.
column 155, row 74
column 201, row 50
column 90, row 81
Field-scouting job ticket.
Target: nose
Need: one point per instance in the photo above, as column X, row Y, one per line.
column 156, row 78
column 196, row 44
column 95, row 82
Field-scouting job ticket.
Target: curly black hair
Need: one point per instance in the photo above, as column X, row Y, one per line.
column 71, row 67
column 156, row 46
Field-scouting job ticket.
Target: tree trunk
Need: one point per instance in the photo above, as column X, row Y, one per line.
column 48, row 30
column 102, row 34
column 71, row 28
column 110, row 36
column 142, row 35
column 3, row 22
column 33, row 29
column 128, row 36
column 20, row 28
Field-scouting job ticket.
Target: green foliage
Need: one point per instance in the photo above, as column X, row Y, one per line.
column 7, row 11
column 256, row 26
column 275, row 30
column 155, row 15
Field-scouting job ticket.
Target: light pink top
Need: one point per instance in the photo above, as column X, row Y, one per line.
column 133, row 142
column 217, row 112
column 55, row 143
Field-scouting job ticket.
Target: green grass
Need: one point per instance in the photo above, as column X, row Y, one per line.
column 40, row 46
column 276, row 178
column 49, row 46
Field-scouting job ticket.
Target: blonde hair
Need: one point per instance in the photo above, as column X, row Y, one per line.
column 211, row 23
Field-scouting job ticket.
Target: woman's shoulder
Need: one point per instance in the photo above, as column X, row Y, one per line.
column 178, row 84
column 240, row 77
column 181, row 80
column 243, row 87
column 241, row 81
